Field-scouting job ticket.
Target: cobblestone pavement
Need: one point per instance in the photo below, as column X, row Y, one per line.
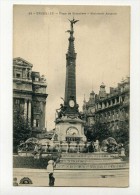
column 98, row 178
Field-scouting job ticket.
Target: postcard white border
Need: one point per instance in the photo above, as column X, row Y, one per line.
column 6, row 40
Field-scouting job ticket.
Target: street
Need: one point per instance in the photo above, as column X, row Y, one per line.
column 93, row 178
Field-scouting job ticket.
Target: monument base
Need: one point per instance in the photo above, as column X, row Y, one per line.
column 70, row 129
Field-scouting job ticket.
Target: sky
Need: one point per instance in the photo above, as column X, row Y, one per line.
column 102, row 44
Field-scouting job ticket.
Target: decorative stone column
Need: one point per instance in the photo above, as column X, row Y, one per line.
column 29, row 112
column 25, row 109
column 97, row 106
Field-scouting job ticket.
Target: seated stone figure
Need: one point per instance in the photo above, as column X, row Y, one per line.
column 96, row 144
column 62, row 111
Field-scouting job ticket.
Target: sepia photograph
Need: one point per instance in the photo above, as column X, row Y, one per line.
column 71, row 95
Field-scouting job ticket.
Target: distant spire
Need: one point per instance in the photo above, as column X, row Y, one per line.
column 102, row 85
column 102, row 92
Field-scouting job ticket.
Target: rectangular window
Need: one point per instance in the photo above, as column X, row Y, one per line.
column 18, row 75
column 122, row 98
column 113, row 101
column 117, row 99
column 36, row 123
column 17, row 101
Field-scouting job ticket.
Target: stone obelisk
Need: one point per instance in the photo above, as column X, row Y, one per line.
column 68, row 124
column 70, row 85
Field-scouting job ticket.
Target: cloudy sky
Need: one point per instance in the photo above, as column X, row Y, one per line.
column 102, row 44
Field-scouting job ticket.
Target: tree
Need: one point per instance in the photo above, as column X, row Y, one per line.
column 122, row 133
column 21, row 130
column 101, row 131
column 98, row 131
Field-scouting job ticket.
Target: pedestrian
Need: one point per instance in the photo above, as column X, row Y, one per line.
column 51, row 180
column 50, row 166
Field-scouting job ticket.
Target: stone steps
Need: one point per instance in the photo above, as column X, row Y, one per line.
column 88, row 155
column 90, row 166
column 90, row 161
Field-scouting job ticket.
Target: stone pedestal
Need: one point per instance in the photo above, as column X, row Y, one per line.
column 70, row 129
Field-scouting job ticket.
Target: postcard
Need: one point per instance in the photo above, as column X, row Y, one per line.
column 71, row 89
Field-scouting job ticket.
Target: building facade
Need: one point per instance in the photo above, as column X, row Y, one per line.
column 29, row 94
column 110, row 108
